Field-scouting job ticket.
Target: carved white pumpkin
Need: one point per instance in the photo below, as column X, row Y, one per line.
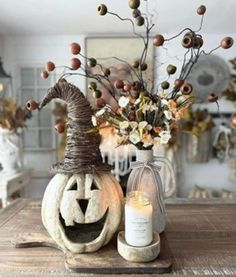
column 82, row 205
column 82, row 212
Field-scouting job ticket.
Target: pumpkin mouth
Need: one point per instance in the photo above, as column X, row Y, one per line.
column 84, row 232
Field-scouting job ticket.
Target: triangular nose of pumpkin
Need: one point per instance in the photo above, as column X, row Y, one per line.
column 83, row 203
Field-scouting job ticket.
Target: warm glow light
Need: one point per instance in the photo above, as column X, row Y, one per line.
column 139, row 200
column 1, row 87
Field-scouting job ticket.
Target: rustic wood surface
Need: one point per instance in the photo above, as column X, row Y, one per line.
column 201, row 238
column 100, row 261
column 108, row 261
column 37, row 239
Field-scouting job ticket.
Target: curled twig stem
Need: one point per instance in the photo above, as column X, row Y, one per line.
column 132, row 23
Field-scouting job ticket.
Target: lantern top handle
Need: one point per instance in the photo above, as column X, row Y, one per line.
column 3, row 73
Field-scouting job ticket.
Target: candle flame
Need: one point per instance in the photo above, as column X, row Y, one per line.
column 139, row 199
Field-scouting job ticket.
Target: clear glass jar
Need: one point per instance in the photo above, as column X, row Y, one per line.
column 142, row 179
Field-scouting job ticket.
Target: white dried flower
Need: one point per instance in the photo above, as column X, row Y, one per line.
column 134, row 137
column 123, row 132
column 148, row 107
column 181, row 99
column 165, row 137
column 123, row 101
column 94, row 121
column 147, row 140
column 168, row 115
column 124, row 125
column 142, row 124
column 145, row 108
column 167, row 124
column 153, row 108
column 147, row 144
column 162, row 94
column 101, row 112
column 164, row 102
column 149, row 127
column 133, row 124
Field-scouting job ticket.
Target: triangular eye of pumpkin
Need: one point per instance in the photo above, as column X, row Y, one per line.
column 74, row 186
column 94, row 186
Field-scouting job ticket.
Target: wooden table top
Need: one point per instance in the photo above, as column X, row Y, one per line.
column 201, row 237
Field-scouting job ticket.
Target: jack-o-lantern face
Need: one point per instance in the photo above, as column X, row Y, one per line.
column 84, row 208
column 81, row 212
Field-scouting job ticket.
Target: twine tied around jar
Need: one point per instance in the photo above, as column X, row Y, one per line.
column 155, row 170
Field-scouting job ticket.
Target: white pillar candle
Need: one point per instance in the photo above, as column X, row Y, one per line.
column 138, row 219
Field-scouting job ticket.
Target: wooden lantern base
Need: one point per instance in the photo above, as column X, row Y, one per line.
column 105, row 261
column 138, row 254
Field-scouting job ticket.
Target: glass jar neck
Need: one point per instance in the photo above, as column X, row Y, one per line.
column 144, row 155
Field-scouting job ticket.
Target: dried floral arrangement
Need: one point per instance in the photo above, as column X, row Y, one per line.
column 198, row 121
column 145, row 113
column 12, row 116
column 230, row 92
